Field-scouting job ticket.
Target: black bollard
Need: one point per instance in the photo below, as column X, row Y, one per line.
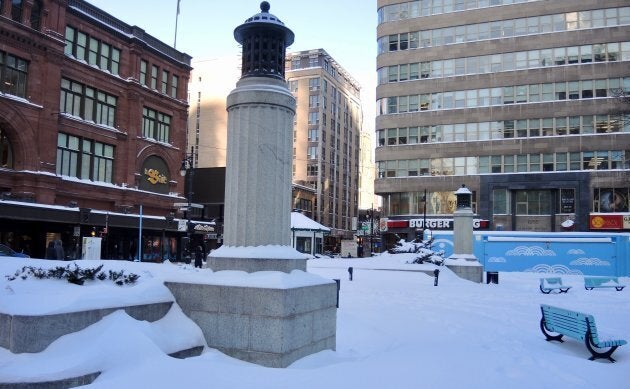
column 436, row 273
column 338, row 282
column 350, row 272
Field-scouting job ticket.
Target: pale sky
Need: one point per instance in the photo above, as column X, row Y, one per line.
column 346, row 29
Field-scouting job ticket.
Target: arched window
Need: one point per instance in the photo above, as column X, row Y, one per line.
column 6, row 154
column 36, row 14
column 16, row 10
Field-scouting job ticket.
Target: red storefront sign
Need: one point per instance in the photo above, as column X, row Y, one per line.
column 606, row 222
column 397, row 224
column 434, row 223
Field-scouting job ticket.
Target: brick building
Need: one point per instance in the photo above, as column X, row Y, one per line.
column 92, row 131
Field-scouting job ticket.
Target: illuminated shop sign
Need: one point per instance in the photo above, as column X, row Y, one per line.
column 434, row 223
column 203, row 228
column 610, row 222
column 155, row 177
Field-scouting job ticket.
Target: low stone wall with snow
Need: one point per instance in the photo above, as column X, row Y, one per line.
column 268, row 326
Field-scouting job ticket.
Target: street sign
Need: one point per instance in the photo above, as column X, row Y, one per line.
column 185, row 205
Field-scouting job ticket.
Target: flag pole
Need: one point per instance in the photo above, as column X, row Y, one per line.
column 176, row 18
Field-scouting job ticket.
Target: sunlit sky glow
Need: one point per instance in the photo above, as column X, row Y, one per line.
column 346, row 29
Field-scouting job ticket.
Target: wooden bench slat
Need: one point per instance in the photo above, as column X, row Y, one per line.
column 591, row 282
column 549, row 284
column 576, row 325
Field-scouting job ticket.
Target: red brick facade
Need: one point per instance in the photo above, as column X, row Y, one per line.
column 101, row 113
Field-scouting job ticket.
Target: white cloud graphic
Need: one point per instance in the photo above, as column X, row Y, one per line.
column 555, row 269
column 496, row 259
column 576, row 251
column 589, row 262
column 528, row 251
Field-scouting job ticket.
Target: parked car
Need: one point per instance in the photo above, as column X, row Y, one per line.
column 6, row 251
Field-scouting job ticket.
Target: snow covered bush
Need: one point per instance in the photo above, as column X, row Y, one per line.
column 422, row 248
column 75, row 275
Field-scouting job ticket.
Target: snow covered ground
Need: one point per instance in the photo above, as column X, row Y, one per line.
column 394, row 329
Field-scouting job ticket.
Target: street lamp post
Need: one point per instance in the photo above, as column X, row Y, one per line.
column 424, row 217
column 187, row 170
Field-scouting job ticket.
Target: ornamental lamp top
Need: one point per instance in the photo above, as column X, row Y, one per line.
column 464, row 197
column 264, row 39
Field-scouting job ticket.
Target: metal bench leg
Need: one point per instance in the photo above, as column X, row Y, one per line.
column 597, row 355
column 545, row 332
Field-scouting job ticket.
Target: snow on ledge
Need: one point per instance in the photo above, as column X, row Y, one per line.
column 462, row 260
column 268, row 251
column 548, row 239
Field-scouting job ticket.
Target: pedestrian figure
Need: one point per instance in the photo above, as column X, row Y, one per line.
column 59, row 253
column 198, row 257
column 50, row 251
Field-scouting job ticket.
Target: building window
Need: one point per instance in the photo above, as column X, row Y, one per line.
column 164, row 80
column 87, row 103
column 313, row 118
column 16, row 10
column 503, row 29
column 154, row 77
column 36, row 14
column 533, row 202
column 6, row 152
column 611, row 199
column 143, row 72
column 174, row 86
column 313, row 84
column 312, row 152
column 93, row 51
column 84, row 158
column 156, row 125
column 13, row 75
column 313, row 101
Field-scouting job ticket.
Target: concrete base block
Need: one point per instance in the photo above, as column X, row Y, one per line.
column 267, row 326
column 470, row 273
column 252, row 265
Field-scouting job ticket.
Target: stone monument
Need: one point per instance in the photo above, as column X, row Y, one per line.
column 261, row 109
column 463, row 261
column 259, row 304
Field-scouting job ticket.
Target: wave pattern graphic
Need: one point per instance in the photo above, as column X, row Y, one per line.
column 497, row 259
column 442, row 243
column 589, row 262
column 555, row 269
column 576, row 252
column 530, row 251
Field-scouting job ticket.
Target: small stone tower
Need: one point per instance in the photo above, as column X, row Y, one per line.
column 258, row 178
column 463, row 261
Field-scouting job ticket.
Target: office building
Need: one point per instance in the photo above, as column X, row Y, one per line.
column 326, row 138
column 517, row 100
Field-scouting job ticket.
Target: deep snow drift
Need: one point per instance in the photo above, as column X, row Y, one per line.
column 394, row 329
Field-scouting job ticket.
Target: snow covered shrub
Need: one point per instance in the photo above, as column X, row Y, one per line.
column 422, row 248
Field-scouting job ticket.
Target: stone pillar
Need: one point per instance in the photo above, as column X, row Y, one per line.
column 259, row 161
column 463, row 261
column 257, row 217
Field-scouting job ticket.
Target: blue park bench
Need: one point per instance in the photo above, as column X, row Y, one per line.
column 549, row 284
column 602, row 282
column 578, row 326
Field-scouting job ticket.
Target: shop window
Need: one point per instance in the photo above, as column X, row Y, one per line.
column 500, row 202
column 611, row 199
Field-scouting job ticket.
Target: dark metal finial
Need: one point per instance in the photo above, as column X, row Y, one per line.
column 264, row 6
